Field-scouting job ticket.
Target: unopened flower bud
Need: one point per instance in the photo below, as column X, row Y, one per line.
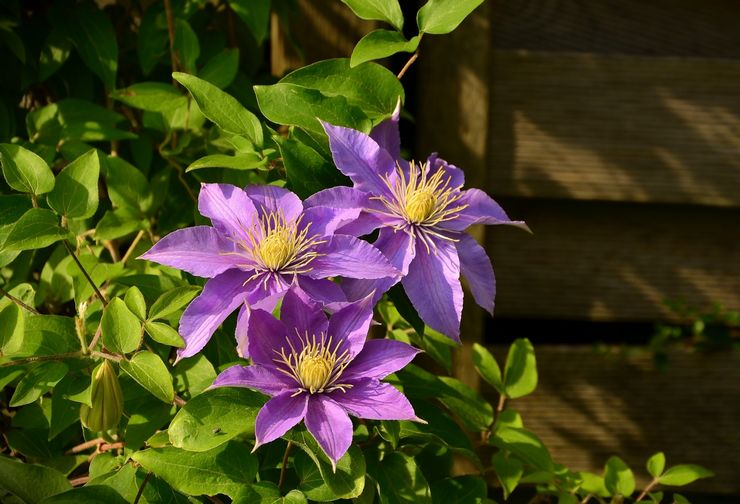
column 106, row 399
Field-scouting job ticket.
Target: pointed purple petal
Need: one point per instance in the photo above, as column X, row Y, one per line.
column 379, row 358
column 302, row 316
column 266, row 334
column 350, row 325
column 329, row 424
column 221, row 296
column 350, row 257
column 323, row 291
column 481, row 209
column 351, row 199
column 387, row 134
column 454, row 175
column 279, row 415
column 271, row 199
column 360, row 158
column 477, row 270
column 324, row 221
column 375, row 401
column 228, row 207
column 433, row 286
column 201, row 251
column 399, row 248
column 254, row 377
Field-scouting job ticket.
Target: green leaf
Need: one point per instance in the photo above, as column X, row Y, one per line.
column 656, row 464
column 520, row 372
column 214, row 417
column 24, row 170
column 237, row 162
column 172, row 301
column 684, row 474
column 93, row 494
column 221, row 470
column 680, row 499
column 222, row 108
column 117, row 223
column 593, row 484
column 151, row 41
column 121, row 328
column 48, row 335
column 255, row 14
column 474, row 411
column 64, row 411
column 221, row 69
column 75, row 194
column 13, row 326
column 263, row 492
column 459, row 490
column 348, row 480
column 186, row 45
column 307, row 171
column 152, row 96
column 443, row 16
column 194, row 375
column 135, row 302
column 381, row 10
column 93, row 35
column 400, row 479
column 509, row 471
column 524, row 445
column 163, row 333
column 151, row 373
column 37, row 228
column 37, row 381
column 380, row 44
column 127, row 186
column 30, row 482
column 71, row 119
column 486, row 365
column 618, row 477
column 55, row 52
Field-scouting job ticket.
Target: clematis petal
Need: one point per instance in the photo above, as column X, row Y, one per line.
column 258, row 378
column 351, row 324
column 379, row 358
column 242, row 331
column 351, row 199
column 455, row 176
column 329, row 424
column 199, row 250
column 350, row 257
column 220, row 296
column 271, row 199
column 360, row 158
column 374, row 400
column 279, row 415
column 228, row 207
column 266, row 335
column 387, row 134
column 481, row 209
column 324, row 221
column 264, row 294
column 301, row 315
column 433, row 286
column 399, row 248
column 477, row 270
column 323, row 291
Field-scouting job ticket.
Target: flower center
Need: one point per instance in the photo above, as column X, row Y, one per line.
column 317, row 366
column 276, row 249
column 420, row 205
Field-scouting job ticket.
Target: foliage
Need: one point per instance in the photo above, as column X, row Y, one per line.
column 110, row 120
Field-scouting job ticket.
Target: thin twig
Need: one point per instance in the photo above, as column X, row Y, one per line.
column 131, row 247
column 111, row 250
column 407, row 65
column 179, row 401
column 110, row 446
column 171, row 33
column 93, row 443
column 96, row 338
column 284, row 465
column 501, row 403
column 647, row 490
column 141, row 488
column 113, row 357
column 79, row 481
column 84, row 272
column 181, row 177
column 41, row 358
column 17, row 301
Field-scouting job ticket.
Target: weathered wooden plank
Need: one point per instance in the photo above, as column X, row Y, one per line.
column 612, row 261
column 589, row 406
column 623, row 128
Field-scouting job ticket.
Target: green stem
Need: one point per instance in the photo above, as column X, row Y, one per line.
column 84, row 272
column 17, row 301
column 284, row 465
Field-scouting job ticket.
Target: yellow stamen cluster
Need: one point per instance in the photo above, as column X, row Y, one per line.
column 318, row 365
column 421, row 200
column 278, row 246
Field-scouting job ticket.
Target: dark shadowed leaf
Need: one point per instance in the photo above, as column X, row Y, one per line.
column 400, row 479
column 152, row 96
column 255, row 14
column 221, row 69
column 93, row 35
column 30, row 482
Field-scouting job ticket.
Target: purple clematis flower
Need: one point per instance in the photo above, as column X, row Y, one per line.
column 422, row 213
column 319, row 371
column 262, row 242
